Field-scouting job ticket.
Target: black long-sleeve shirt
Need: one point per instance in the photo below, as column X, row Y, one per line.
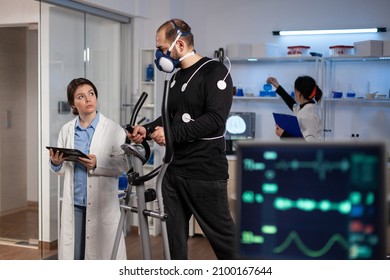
column 198, row 117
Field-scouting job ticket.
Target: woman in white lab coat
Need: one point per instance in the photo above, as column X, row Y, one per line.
column 305, row 107
column 90, row 207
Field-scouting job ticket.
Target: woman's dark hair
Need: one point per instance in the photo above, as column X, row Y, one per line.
column 71, row 89
column 307, row 86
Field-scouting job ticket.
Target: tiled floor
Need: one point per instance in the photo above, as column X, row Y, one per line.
column 22, row 225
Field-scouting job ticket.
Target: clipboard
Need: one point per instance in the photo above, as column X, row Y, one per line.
column 289, row 123
column 69, row 154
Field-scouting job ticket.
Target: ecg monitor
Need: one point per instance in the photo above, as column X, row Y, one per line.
column 321, row 201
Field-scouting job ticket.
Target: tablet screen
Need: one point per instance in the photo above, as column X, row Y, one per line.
column 69, row 154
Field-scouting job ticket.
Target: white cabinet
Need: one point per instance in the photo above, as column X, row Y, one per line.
column 342, row 117
column 148, row 111
column 369, row 118
column 361, row 74
column 253, row 74
column 151, row 109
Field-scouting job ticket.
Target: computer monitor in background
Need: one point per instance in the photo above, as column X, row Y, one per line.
column 239, row 126
column 311, row 200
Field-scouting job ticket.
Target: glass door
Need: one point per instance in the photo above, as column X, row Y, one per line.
column 18, row 129
column 73, row 44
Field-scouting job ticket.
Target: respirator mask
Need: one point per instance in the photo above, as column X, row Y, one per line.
column 164, row 62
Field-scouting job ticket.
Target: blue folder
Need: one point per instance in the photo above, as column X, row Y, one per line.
column 289, row 123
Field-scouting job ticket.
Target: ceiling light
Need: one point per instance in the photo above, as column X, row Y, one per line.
column 329, row 31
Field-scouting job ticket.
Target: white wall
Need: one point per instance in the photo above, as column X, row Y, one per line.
column 19, row 12
column 216, row 23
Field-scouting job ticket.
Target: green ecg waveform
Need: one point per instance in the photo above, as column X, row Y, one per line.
column 294, row 237
column 319, row 165
column 306, row 204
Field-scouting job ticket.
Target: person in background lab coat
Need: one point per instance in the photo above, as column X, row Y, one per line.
column 90, row 207
column 305, row 107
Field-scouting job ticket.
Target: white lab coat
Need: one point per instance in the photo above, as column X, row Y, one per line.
column 103, row 210
column 310, row 121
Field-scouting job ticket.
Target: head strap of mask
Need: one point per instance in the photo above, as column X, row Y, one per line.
column 164, row 62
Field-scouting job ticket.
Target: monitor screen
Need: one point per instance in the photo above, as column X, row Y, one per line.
column 240, row 126
column 311, row 200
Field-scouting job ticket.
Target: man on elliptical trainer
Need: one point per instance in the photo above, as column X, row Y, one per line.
column 195, row 182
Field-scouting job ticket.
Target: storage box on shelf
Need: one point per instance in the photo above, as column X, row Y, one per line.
column 265, row 50
column 369, row 48
column 298, row 50
column 386, row 48
column 237, row 51
column 247, row 51
column 340, row 50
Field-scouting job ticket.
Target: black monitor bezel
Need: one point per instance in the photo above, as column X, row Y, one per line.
column 252, row 132
column 293, row 144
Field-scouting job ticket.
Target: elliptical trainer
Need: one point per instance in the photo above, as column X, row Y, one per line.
column 137, row 155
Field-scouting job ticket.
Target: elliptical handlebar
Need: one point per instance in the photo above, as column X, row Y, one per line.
column 138, row 107
column 129, row 126
column 136, row 180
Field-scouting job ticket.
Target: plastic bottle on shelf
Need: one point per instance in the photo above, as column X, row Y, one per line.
column 267, row 91
column 240, row 91
column 150, row 73
column 350, row 92
column 267, row 87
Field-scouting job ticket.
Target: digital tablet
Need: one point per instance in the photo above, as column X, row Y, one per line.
column 69, row 154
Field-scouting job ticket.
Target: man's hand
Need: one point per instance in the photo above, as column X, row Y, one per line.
column 158, row 135
column 138, row 135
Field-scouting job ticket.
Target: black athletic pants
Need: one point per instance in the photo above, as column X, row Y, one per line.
column 207, row 201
